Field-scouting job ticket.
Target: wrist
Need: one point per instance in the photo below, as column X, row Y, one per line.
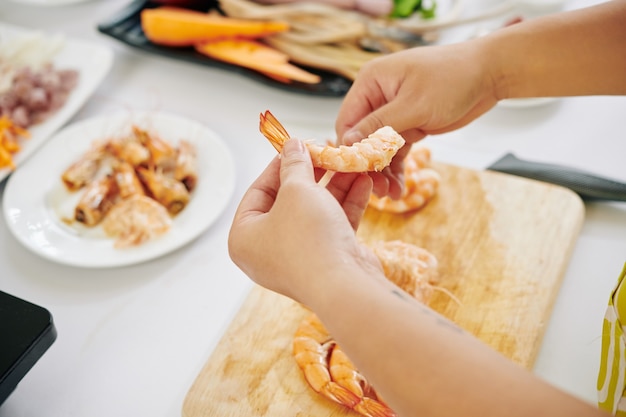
column 498, row 70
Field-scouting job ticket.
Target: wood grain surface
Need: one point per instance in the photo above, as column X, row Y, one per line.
column 503, row 244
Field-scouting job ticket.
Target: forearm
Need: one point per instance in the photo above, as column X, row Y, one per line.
column 581, row 52
column 421, row 363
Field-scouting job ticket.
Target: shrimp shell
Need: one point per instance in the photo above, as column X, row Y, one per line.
column 83, row 171
column 410, row 267
column 169, row 192
column 373, row 153
column 96, row 201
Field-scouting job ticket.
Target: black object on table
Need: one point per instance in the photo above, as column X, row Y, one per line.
column 26, row 332
column 125, row 26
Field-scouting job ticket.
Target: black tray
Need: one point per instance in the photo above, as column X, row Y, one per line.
column 125, row 26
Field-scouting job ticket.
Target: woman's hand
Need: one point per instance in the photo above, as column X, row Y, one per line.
column 420, row 91
column 288, row 229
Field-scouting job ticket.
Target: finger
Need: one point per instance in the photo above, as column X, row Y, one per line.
column 356, row 198
column 260, row 197
column 340, row 183
column 380, row 183
column 295, row 162
column 392, row 114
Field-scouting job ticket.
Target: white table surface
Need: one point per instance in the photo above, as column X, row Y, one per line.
column 131, row 340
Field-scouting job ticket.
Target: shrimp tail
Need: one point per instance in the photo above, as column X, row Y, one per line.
column 372, row 408
column 339, row 394
column 271, row 128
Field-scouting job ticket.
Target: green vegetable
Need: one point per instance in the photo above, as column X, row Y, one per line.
column 427, row 9
column 405, row 8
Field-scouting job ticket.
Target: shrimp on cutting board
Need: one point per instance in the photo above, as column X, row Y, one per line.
column 421, row 183
column 370, row 154
column 325, row 366
column 313, row 348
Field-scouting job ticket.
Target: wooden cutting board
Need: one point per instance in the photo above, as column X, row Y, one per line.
column 503, row 244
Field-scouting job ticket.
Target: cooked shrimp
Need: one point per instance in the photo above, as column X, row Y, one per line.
column 421, row 183
column 312, row 349
column 83, row 171
column 162, row 154
column 326, row 367
column 371, row 154
column 186, row 170
column 410, row 267
column 342, row 371
column 135, row 220
column 167, row 191
column 128, row 148
column 127, row 181
column 96, row 201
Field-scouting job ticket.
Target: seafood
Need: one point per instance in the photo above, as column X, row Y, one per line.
column 371, row 154
column 128, row 148
column 127, row 180
column 96, row 201
column 135, row 220
column 186, row 165
column 342, row 371
column 421, row 183
column 166, row 190
column 83, row 171
column 162, row 154
column 311, row 348
column 326, row 368
column 134, row 184
column 410, row 267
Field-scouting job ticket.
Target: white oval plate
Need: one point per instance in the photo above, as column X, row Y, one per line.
column 36, row 201
column 92, row 61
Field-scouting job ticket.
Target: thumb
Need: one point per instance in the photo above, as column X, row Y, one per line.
column 295, row 162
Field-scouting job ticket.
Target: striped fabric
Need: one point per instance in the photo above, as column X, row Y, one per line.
column 612, row 373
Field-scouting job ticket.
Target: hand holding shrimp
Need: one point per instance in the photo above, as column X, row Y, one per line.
column 297, row 238
column 286, row 203
column 372, row 153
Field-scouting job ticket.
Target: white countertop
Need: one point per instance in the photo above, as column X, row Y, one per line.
column 131, row 340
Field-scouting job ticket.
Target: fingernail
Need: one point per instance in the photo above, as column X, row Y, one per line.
column 293, row 146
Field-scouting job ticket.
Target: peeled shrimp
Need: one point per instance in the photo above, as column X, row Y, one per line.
column 371, row 154
column 421, row 183
column 326, row 368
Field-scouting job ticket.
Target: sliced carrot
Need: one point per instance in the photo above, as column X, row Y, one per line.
column 256, row 56
column 173, row 26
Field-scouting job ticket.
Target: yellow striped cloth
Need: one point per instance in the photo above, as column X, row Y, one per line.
column 612, row 373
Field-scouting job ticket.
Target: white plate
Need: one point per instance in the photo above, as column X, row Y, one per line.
column 93, row 61
column 35, row 200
